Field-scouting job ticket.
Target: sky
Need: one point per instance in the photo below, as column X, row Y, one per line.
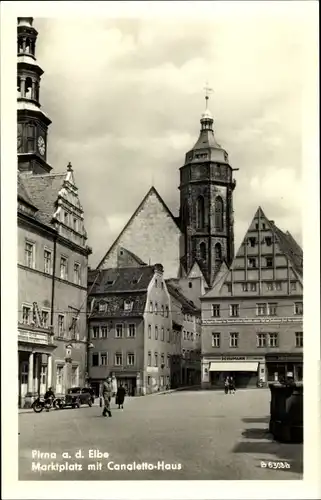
column 125, row 96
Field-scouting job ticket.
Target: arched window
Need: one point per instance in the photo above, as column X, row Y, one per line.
column 219, row 214
column 218, row 252
column 28, row 88
column 203, row 250
column 185, row 214
column 200, row 207
column 18, row 87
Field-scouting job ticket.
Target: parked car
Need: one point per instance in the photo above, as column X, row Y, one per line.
column 77, row 396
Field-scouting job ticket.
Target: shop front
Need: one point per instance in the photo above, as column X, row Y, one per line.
column 283, row 366
column 246, row 371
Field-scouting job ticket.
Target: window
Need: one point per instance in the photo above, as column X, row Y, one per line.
column 168, row 335
column 272, row 308
column 293, row 285
column 95, row 359
column 298, row 308
column 130, row 359
column 149, row 331
column 119, row 331
column 162, row 359
column 252, row 242
column 75, row 221
column 234, row 339
column 256, row 226
column 190, row 284
column 104, row 332
column 162, row 285
column 216, row 310
column 43, row 374
column 184, row 335
column 156, row 308
column 95, row 332
column 61, row 325
column 45, row 318
column 149, row 359
column 167, row 311
column 30, row 254
column 269, row 286
column 77, row 273
column 273, row 340
column 278, row 285
column 234, row 310
column 103, row 358
column 261, row 340
column 269, row 261
column 299, row 339
column 63, row 268
column 252, row 262
column 162, row 310
column 102, row 306
column 128, row 305
column 192, row 336
column 26, row 314
column 162, row 334
column 118, row 359
column 253, row 287
column 219, row 214
column 216, row 340
column 73, row 326
column 244, row 287
column 66, row 218
column 268, row 241
column 156, row 332
column 156, row 359
column 263, row 225
column 261, row 309
column 131, row 330
column 168, row 361
column 218, row 253
column 151, row 307
column 31, row 129
column 229, row 287
column 203, row 250
column 47, row 261
column 200, row 209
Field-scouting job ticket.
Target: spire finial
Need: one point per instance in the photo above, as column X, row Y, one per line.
column 208, row 91
column 69, row 167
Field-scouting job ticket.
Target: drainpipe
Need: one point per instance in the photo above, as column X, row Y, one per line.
column 53, row 281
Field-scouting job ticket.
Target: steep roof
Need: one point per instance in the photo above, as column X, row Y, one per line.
column 290, row 248
column 176, row 292
column 120, row 280
column 115, row 306
column 138, row 209
column 22, row 192
column 135, row 257
column 44, row 189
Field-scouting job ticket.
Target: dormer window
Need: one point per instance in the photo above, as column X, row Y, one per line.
column 128, row 305
column 268, row 241
column 102, row 306
column 110, row 282
column 252, row 242
column 252, row 262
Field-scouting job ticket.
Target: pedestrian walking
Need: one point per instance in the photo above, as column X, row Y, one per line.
column 232, row 385
column 226, row 385
column 120, row 397
column 107, row 390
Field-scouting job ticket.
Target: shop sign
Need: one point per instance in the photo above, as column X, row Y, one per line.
column 289, row 359
column 242, row 358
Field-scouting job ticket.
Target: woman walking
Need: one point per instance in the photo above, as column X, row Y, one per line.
column 226, row 385
column 120, row 397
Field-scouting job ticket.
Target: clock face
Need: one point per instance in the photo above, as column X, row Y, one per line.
column 41, row 145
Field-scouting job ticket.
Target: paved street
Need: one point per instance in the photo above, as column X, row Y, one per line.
column 211, row 435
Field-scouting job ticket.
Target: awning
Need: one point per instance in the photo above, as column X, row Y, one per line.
column 230, row 366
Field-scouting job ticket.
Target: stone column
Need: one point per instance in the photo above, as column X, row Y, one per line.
column 23, row 86
column 30, row 373
column 36, row 374
column 49, row 370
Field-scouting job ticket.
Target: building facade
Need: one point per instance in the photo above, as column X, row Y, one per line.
column 252, row 319
column 52, row 249
column 130, row 327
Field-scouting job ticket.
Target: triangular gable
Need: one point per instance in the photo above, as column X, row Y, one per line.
column 144, row 248
column 195, row 272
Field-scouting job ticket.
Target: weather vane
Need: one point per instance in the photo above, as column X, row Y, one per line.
column 208, row 91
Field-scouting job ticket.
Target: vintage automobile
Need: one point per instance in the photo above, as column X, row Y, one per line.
column 78, row 396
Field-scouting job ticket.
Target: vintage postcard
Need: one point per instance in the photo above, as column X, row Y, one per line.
column 160, row 240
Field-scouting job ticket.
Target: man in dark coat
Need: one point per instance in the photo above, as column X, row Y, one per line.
column 121, row 392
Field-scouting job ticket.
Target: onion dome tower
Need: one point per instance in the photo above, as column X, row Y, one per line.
column 32, row 121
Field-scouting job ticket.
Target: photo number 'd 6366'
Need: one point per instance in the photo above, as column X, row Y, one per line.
column 275, row 465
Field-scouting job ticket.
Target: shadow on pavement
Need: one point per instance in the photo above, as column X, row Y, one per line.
column 257, row 433
column 290, row 453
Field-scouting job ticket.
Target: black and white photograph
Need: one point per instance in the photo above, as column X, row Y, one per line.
column 160, row 283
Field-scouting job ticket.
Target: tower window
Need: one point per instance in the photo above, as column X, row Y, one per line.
column 200, row 212
column 203, row 251
column 31, row 132
column 219, row 214
column 28, row 88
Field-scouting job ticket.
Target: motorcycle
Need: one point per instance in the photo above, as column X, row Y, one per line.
column 45, row 404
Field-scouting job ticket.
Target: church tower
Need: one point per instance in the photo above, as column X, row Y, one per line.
column 32, row 121
column 206, row 203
